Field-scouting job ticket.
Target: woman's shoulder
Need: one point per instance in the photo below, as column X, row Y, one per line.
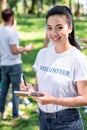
column 78, row 52
column 45, row 50
column 78, row 55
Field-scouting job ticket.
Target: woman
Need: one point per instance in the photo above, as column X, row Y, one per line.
column 61, row 75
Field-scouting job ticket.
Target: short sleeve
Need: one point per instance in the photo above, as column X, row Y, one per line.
column 14, row 37
column 36, row 63
column 81, row 69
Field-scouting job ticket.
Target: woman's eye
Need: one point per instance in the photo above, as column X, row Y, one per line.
column 60, row 28
column 49, row 28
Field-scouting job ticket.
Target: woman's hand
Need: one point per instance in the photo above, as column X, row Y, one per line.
column 45, row 99
column 28, row 87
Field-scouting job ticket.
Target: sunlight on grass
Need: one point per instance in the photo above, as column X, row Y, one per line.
column 80, row 28
column 32, row 36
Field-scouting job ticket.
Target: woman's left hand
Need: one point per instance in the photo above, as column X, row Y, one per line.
column 45, row 99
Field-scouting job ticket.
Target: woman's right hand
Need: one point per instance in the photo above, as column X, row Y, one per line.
column 28, row 87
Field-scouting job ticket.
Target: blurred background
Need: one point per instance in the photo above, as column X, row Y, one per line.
column 39, row 7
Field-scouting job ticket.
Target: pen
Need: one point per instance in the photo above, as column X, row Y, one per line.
column 23, row 79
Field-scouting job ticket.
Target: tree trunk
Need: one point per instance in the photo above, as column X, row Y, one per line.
column 54, row 2
column 26, row 9
column 77, row 12
column 39, row 8
column 3, row 5
column 70, row 4
column 41, row 1
column 33, row 6
column 0, row 12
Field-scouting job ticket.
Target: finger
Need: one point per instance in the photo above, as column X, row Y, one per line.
column 29, row 87
column 22, row 86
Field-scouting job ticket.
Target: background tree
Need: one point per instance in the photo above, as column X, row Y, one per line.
column 37, row 7
column 12, row 3
column 26, row 8
column 32, row 10
column 3, row 5
column 70, row 4
column 77, row 9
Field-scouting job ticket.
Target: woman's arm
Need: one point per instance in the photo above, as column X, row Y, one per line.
column 80, row 100
column 35, row 86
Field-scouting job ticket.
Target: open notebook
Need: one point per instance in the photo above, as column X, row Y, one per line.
column 24, row 93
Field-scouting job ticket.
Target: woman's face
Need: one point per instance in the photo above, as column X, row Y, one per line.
column 58, row 29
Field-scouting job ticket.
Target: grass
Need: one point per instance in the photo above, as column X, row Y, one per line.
column 21, row 124
column 32, row 30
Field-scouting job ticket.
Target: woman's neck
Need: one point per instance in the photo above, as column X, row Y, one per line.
column 62, row 48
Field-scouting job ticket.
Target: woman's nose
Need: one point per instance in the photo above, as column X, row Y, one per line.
column 55, row 32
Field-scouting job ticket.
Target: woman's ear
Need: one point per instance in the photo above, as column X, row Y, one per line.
column 70, row 28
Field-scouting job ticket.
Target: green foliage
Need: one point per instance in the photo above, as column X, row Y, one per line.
column 80, row 27
column 53, row 2
column 31, row 30
column 13, row 3
column 31, row 123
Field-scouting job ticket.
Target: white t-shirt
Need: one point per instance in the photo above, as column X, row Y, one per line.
column 9, row 36
column 57, row 73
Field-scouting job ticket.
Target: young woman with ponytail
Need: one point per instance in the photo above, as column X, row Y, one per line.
column 61, row 75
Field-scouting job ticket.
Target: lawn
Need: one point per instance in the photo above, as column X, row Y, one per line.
column 32, row 30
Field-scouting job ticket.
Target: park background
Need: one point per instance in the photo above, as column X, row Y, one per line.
column 30, row 17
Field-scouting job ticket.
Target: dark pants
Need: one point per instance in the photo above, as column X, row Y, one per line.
column 0, row 81
column 68, row 119
column 0, row 73
column 10, row 74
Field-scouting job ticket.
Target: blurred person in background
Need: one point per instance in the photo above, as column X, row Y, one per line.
column 11, row 63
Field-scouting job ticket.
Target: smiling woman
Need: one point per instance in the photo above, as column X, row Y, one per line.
column 61, row 75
